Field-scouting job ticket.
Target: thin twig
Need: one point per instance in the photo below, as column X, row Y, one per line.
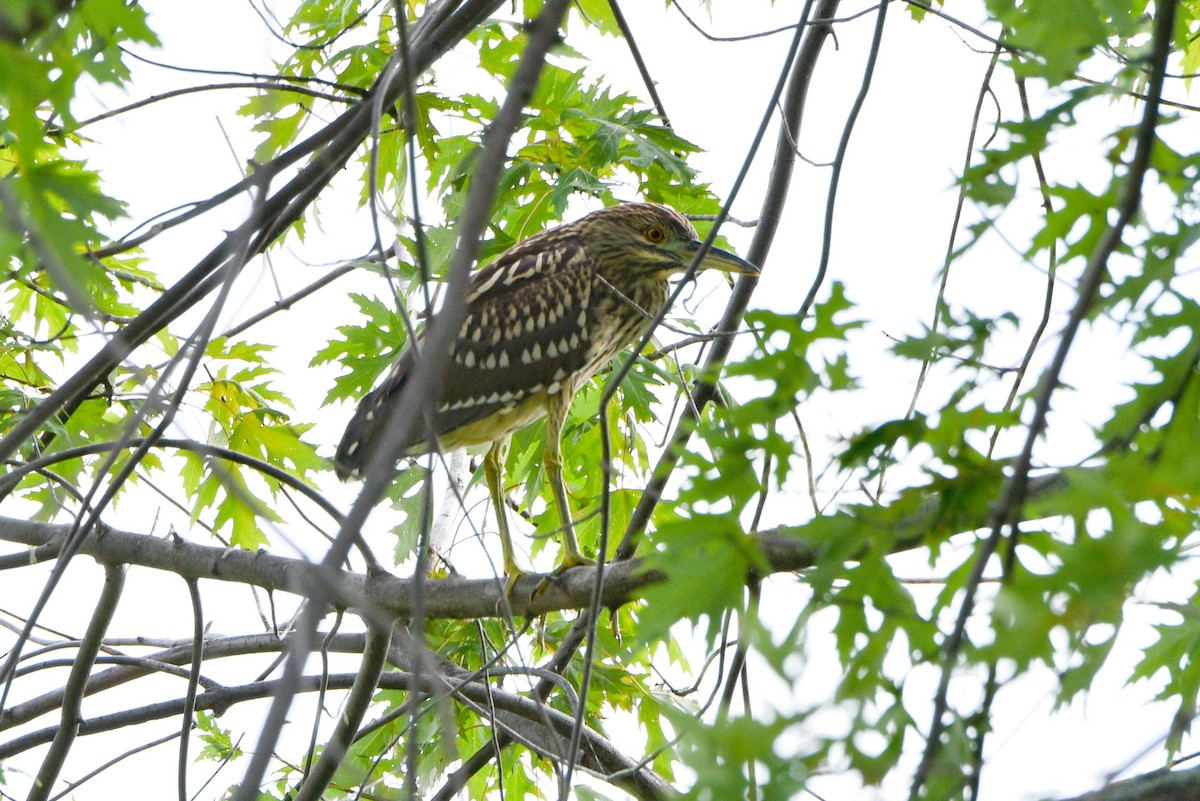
column 191, row 90
column 189, row 701
column 643, row 70
column 939, row 303
column 72, row 787
column 1012, row 498
column 1051, row 274
column 839, row 160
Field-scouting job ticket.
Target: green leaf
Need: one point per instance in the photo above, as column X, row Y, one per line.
column 707, row 560
column 365, row 351
column 1062, row 33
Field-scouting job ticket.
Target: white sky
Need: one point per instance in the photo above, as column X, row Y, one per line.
column 895, row 209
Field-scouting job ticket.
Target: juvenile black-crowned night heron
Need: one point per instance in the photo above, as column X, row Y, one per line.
column 541, row 320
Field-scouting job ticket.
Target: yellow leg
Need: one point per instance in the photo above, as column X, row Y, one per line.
column 493, row 471
column 556, row 415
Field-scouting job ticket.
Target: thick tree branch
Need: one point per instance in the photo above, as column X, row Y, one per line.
column 1161, row 785
column 783, row 551
column 386, row 594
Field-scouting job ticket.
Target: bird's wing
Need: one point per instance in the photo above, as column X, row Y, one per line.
column 526, row 331
column 526, row 262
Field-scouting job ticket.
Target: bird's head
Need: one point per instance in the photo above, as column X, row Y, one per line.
column 646, row 240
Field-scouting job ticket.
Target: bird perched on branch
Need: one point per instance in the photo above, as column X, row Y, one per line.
column 542, row 319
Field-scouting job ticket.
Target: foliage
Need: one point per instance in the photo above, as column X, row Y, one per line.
column 922, row 465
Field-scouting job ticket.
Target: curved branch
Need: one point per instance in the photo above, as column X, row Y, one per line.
column 191, row 90
column 10, row 480
column 72, row 720
column 839, row 161
column 365, row 681
column 133, row 668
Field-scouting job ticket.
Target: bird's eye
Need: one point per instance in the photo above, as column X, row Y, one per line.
column 655, row 234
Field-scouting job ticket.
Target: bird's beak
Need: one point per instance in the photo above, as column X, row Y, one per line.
column 717, row 259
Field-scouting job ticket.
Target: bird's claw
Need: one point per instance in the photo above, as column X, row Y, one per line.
column 555, row 576
column 511, row 576
column 571, row 560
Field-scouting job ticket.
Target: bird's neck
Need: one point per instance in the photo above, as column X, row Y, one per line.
column 640, row 300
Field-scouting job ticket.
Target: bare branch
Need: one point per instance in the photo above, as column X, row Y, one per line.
column 643, row 70
column 365, row 681
column 64, row 733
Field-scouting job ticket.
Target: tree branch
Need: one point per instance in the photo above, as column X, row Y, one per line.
column 1008, row 507
column 72, row 720
column 523, row 717
column 782, row 549
column 1161, row 785
column 333, row 144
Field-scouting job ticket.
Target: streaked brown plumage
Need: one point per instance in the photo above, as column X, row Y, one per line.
column 542, row 319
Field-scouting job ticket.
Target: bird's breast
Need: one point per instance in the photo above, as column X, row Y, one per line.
column 621, row 315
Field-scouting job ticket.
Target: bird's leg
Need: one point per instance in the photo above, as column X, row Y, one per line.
column 493, row 471
column 556, row 415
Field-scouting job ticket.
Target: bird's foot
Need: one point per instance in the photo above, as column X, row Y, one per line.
column 512, row 574
column 511, row 577
column 570, row 560
column 510, row 582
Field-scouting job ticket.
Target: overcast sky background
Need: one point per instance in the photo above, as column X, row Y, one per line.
column 895, row 207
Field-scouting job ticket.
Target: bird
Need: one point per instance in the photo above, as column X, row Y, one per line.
column 541, row 320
